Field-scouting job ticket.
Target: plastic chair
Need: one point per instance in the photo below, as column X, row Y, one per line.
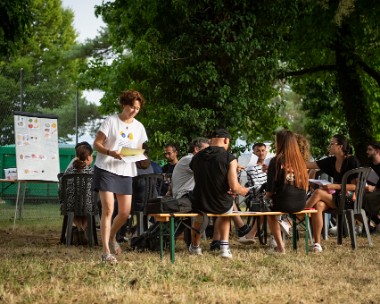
column 78, row 199
column 145, row 187
column 361, row 175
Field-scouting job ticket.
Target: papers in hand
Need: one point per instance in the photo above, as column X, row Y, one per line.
column 131, row 155
column 267, row 161
column 320, row 182
column 131, row 151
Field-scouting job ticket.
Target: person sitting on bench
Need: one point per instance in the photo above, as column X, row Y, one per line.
column 215, row 175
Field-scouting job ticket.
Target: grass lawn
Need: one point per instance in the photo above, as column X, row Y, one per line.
column 35, row 268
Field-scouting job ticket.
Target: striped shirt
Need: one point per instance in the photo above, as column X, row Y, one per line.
column 255, row 176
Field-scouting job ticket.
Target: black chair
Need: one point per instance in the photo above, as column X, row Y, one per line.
column 145, row 187
column 348, row 215
column 78, row 199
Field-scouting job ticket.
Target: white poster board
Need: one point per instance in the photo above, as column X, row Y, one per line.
column 36, row 139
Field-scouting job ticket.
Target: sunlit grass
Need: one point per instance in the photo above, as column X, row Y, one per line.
column 35, row 268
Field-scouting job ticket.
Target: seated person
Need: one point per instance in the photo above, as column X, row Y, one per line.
column 287, row 182
column 215, row 175
column 371, row 202
column 171, row 155
column 183, row 177
column 81, row 164
column 256, row 177
column 326, row 197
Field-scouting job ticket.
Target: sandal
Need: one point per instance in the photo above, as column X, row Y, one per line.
column 114, row 247
column 109, row 258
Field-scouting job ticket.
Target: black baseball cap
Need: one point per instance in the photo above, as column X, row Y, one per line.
column 220, row 133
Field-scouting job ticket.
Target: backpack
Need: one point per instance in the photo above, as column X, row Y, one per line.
column 168, row 204
column 149, row 240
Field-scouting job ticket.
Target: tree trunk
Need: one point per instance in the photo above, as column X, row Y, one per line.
column 355, row 104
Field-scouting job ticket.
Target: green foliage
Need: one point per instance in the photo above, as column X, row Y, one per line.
column 207, row 64
column 16, row 18
column 200, row 65
column 332, row 56
column 49, row 71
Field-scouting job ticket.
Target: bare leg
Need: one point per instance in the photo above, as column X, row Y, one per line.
column 275, row 229
column 124, row 209
column 107, row 200
column 321, row 200
column 237, row 219
column 222, row 226
column 195, row 237
column 317, row 220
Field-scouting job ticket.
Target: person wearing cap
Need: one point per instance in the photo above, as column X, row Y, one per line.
column 215, row 175
column 371, row 201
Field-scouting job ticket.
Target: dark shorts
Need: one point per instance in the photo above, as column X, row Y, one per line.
column 111, row 182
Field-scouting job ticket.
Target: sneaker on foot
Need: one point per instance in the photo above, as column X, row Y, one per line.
column 358, row 229
column 317, row 247
column 215, row 245
column 195, row 250
column 272, row 242
column 285, row 227
column 246, row 241
column 225, row 253
column 333, row 231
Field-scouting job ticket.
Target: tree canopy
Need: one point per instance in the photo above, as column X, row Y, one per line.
column 46, row 69
column 207, row 64
column 15, row 20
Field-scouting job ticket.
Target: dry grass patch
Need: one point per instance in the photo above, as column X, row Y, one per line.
column 36, row 269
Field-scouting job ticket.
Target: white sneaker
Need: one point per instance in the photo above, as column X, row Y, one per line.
column 195, row 250
column 317, row 247
column 333, row 231
column 225, row 253
column 285, row 227
column 246, row 241
column 272, row 242
column 358, row 229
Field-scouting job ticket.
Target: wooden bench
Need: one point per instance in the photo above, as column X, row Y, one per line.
column 163, row 218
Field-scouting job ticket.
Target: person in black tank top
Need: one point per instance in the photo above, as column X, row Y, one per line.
column 215, row 176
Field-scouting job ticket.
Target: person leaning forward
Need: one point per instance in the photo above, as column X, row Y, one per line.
column 215, row 175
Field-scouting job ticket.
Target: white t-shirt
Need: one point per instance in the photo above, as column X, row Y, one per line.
column 120, row 134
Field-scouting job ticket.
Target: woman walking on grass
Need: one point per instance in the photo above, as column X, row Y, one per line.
column 287, row 182
column 112, row 175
